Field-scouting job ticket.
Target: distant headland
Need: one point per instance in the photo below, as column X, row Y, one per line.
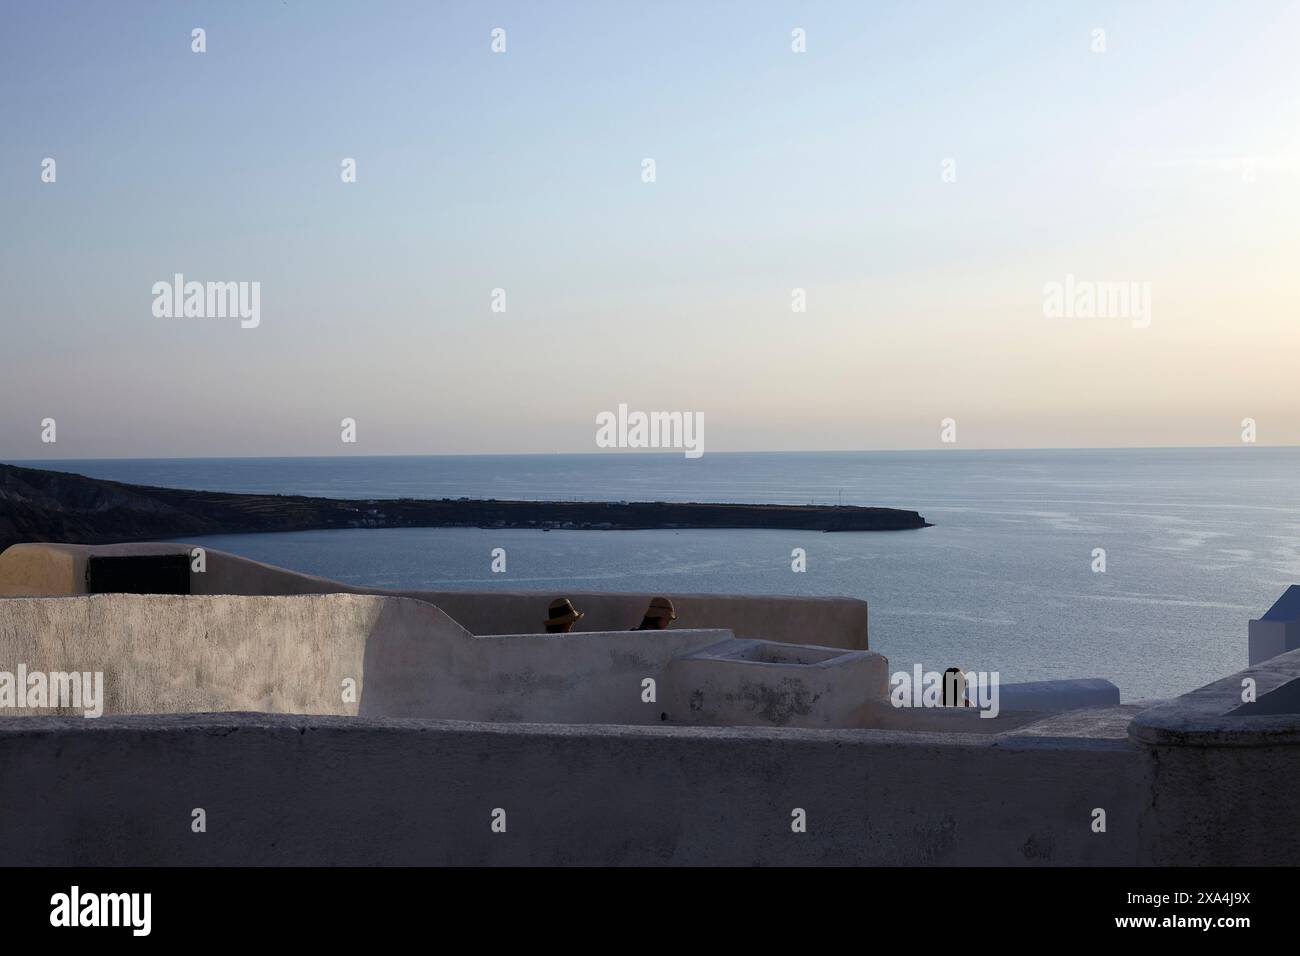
column 39, row 505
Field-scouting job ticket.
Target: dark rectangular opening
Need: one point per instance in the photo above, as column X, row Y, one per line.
column 139, row 574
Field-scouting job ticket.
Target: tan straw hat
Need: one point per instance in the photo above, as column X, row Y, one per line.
column 562, row 611
column 661, row 607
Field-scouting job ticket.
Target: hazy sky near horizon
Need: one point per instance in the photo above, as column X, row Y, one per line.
column 1171, row 159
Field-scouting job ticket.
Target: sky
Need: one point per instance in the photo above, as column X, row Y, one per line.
column 922, row 171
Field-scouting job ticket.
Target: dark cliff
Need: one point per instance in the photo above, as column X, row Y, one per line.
column 37, row 505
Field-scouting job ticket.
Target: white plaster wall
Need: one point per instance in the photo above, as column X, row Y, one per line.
column 170, row 654
column 784, row 685
column 1223, row 775
column 293, row 654
column 1267, row 639
column 59, row 569
column 331, row 791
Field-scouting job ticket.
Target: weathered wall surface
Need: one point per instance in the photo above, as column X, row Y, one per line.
column 1224, row 777
column 168, row 654
column 42, row 569
column 294, row 790
column 740, row 683
column 56, row 570
column 406, row 658
column 557, row 678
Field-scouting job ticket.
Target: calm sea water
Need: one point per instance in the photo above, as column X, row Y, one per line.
column 1197, row 542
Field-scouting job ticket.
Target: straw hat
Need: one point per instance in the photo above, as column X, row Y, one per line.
column 661, row 607
column 562, row 611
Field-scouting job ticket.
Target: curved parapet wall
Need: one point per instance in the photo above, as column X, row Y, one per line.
column 1224, row 770
column 1059, row 695
column 40, row 570
column 60, row 569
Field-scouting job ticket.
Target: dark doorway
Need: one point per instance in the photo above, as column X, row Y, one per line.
column 139, row 574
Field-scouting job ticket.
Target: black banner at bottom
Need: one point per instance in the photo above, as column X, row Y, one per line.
column 908, row 905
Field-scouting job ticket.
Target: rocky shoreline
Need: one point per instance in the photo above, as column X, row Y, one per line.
column 39, row 505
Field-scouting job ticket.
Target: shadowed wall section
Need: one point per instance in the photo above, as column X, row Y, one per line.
column 322, row 790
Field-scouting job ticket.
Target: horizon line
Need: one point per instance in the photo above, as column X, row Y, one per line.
column 667, row 452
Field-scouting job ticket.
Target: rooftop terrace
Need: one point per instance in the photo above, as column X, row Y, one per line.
column 323, row 723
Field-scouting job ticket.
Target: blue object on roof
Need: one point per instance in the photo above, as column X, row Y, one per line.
column 1287, row 607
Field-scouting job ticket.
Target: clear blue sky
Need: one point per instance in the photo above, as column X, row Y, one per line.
column 775, row 170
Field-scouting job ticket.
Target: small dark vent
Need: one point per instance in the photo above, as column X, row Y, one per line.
column 139, row 574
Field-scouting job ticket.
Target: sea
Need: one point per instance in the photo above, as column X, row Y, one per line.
column 1142, row 566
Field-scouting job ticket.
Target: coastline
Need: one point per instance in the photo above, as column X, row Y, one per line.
column 45, row 505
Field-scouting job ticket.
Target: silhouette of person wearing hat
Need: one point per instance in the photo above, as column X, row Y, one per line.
column 658, row 615
column 561, row 616
column 954, row 688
